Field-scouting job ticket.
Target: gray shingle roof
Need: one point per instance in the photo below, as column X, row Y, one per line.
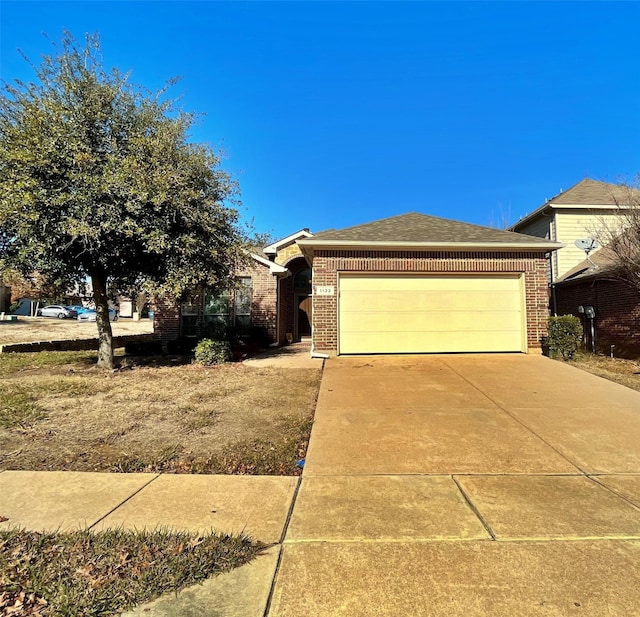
column 588, row 194
column 600, row 263
column 593, row 193
column 423, row 229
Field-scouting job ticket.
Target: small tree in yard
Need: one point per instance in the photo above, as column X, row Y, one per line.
column 565, row 335
column 98, row 181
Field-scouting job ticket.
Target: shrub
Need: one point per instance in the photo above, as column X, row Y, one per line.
column 565, row 335
column 210, row 352
column 260, row 336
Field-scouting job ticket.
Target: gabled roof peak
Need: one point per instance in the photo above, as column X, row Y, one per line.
column 592, row 193
column 272, row 249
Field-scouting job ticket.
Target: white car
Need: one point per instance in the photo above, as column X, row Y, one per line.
column 57, row 310
column 90, row 315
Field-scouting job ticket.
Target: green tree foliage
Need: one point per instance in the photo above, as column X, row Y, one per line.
column 565, row 335
column 98, row 179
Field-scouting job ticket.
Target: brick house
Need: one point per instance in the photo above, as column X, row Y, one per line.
column 407, row 284
column 616, row 305
column 273, row 293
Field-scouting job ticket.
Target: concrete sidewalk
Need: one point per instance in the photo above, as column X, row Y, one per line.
column 257, row 506
column 297, row 355
column 475, row 486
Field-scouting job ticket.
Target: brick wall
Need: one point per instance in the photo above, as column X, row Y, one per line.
column 327, row 264
column 167, row 322
column 264, row 297
column 617, row 308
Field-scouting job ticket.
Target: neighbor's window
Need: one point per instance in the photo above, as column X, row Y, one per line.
column 242, row 304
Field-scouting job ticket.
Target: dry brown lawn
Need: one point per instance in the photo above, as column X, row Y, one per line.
column 58, row 412
column 625, row 372
column 37, row 329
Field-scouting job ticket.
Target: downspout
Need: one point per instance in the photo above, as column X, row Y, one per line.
column 554, row 301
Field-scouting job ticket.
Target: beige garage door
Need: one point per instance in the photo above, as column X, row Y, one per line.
column 430, row 314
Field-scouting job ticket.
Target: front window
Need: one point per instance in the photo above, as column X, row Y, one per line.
column 242, row 305
column 189, row 317
column 216, row 313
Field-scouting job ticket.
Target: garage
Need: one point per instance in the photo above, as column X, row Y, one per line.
column 399, row 313
column 416, row 283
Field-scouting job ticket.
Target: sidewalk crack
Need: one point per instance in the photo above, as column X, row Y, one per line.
column 474, row 509
column 274, row 580
column 124, row 501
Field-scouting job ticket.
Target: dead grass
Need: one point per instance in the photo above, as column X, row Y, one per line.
column 36, row 329
column 84, row 573
column 57, row 412
column 624, row 372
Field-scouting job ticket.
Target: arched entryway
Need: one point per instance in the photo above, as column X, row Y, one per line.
column 298, row 292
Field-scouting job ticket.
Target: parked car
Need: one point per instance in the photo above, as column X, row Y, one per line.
column 79, row 308
column 59, row 311
column 90, row 315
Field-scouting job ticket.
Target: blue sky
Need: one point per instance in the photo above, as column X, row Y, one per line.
column 334, row 114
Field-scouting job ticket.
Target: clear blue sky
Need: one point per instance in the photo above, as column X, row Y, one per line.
column 334, row 114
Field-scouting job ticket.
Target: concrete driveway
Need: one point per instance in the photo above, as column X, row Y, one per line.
column 476, row 485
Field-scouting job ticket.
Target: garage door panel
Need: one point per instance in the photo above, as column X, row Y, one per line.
column 440, row 342
column 367, row 282
column 442, row 313
column 361, row 301
column 442, row 321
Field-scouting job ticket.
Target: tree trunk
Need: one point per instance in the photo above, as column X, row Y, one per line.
column 105, row 337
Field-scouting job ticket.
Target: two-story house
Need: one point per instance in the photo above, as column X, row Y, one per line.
column 575, row 214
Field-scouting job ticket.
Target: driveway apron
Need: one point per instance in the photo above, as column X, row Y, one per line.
column 465, row 485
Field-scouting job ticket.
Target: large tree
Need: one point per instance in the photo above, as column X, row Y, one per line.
column 98, row 180
column 621, row 236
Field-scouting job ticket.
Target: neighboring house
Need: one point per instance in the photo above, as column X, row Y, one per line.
column 407, row 284
column 574, row 214
column 616, row 305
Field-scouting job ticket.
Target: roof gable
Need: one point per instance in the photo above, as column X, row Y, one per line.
column 422, row 229
column 586, row 194
column 273, row 249
column 592, row 193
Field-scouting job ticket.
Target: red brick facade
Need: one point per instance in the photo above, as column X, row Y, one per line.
column 617, row 309
column 168, row 322
column 327, row 265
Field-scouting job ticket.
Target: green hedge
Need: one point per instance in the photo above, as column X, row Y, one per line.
column 565, row 335
column 210, row 352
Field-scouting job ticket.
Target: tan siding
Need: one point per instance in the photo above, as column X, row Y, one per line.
column 571, row 226
column 540, row 228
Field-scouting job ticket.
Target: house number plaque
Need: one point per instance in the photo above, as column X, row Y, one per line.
column 325, row 290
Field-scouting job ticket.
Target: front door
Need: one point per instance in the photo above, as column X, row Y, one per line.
column 303, row 316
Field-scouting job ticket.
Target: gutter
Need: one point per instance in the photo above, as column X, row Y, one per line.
column 449, row 246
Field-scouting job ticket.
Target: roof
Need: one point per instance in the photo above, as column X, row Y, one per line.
column 274, row 268
column 587, row 193
column 593, row 193
column 415, row 230
column 272, row 249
